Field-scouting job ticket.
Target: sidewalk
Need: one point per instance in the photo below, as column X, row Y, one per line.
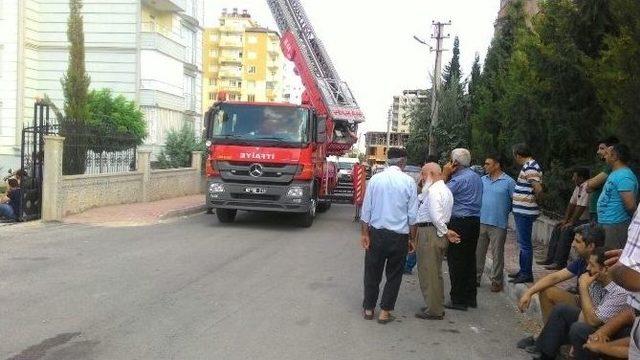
column 140, row 213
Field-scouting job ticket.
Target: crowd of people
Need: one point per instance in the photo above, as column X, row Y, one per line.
column 457, row 215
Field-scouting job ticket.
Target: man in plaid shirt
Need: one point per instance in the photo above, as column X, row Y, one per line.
column 626, row 273
column 600, row 300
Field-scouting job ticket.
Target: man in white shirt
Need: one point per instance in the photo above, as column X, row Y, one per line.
column 432, row 240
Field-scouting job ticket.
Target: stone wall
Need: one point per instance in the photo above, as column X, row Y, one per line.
column 65, row 195
column 542, row 228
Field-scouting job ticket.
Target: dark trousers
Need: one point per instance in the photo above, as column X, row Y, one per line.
column 560, row 244
column 390, row 248
column 562, row 328
column 461, row 259
column 524, row 226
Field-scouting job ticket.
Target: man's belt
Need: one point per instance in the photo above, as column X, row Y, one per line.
column 424, row 224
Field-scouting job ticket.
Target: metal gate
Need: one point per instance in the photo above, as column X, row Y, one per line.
column 32, row 159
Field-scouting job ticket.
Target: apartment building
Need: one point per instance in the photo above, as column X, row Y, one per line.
column 376, row 144
column 242, row 61
column 401, row 108
column 147, row 50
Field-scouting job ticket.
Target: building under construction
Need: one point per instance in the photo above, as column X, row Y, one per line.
column 376, row 142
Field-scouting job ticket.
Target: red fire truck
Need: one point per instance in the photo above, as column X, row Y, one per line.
column 272, row 156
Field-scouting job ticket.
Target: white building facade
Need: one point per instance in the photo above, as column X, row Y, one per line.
column 147, row 50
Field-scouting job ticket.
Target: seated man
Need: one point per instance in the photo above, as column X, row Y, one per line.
column 587, row 238
column 600, row 300
column 576, row 214
column 10, row 206
column 612, row 338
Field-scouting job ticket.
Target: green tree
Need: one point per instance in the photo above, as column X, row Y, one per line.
column 485, row 122
column 616, row 75
column 419, row 115
column 75, row 87
column 115, row 123
column 452, row 72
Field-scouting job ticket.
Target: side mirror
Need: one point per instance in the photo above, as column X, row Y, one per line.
column 321, row 130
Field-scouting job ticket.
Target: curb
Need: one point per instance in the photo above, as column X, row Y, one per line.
column 192, row 210
column 514, row 291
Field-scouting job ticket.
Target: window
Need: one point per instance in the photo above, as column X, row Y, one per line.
column 189, row 37
column 251, row 70
column 212, row 81
column 251, row 98
column 212, row 96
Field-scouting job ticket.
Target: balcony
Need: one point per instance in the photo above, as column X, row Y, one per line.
column 167, row 5
column 230, row 74
column 231, row 43
column 157, row 37
column 230, row 59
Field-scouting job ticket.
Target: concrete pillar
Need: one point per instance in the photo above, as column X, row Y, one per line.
column 196, row 164
column 144, row 166
column 196, row 160
column 52, row 204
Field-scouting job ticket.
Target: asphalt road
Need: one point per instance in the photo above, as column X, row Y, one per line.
column 192, row 288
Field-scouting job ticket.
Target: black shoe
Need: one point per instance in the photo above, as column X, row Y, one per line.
column 472, row 304
column 514, row 275
column 521, row 280
column 532, row 350
column 424, row 316
column 553, row 266
column 453, row 306
column 544, row 262
column 526, row 342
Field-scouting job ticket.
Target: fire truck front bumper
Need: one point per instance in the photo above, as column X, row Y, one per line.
column 293, row 198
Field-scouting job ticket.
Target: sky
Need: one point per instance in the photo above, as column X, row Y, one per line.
column 371, row 42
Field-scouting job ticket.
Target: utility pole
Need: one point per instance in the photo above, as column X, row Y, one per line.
column 389, row 118
column 439, row 36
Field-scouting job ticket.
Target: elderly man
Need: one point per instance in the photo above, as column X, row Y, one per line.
column 466, row 187
column 388, row 216
column 432, row 238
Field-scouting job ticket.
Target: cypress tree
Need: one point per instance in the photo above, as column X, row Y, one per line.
column 75, row 88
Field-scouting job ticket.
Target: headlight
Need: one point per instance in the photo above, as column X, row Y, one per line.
column 216, row 188
column 295, row 192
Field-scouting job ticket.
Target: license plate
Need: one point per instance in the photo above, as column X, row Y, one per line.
column 253, row 190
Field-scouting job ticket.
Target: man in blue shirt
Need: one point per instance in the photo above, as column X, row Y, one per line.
column 497, row 193
column 466, row 187
column 388, row 217
column 617, row 202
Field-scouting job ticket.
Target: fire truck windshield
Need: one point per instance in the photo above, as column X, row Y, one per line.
column 260, row 123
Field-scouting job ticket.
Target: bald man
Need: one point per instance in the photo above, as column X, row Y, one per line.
column 432, row 239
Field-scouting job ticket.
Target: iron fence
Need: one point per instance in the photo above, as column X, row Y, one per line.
column 86, row 153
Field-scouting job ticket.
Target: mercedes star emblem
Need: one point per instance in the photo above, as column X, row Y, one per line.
column 256, row 170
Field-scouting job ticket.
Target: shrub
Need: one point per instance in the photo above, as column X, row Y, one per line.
column 178, row 147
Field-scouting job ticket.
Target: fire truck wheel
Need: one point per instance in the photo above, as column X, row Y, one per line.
column 324, row 207
column 306, row 220
column 226, row 215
